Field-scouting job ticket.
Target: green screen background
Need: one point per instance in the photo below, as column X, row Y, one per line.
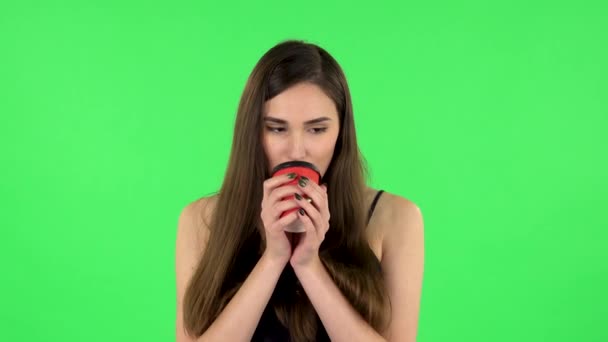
column 491, row 117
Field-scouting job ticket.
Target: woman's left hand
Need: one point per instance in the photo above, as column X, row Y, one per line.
column 315, row 220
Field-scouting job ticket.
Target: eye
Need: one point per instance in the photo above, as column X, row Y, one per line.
column 275, row 129
column 319, row 130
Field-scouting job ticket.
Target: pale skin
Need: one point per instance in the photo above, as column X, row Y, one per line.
column 306, row 128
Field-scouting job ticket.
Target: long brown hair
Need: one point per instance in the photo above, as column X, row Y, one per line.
column 235, row 240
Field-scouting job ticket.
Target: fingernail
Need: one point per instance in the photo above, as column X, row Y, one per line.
column 302, row 182
column 298, row 197
column 304, row 178
column 301, row 211
column 291, row 175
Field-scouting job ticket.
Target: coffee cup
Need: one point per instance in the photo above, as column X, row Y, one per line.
column 302, row 170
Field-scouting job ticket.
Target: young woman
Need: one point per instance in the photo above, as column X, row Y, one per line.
column 351, row 276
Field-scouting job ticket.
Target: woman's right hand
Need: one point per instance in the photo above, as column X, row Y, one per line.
column 278, row 246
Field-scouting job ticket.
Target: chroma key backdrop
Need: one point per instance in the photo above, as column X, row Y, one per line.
column 492, row 117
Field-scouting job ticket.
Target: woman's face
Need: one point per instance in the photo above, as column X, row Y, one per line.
column 301, row 123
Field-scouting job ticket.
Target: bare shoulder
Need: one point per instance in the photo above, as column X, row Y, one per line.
column 194, row 220
column 402, row 263
column 190, row 244
column 399, row 207
column 402, row 216
column 403, row 246
column 393, row 216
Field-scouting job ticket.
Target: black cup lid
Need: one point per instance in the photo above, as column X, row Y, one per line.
column 293, row 163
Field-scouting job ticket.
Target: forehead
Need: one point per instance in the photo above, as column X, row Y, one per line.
column 302, row 101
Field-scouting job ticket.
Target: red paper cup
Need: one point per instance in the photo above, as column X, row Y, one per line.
column 301, row 169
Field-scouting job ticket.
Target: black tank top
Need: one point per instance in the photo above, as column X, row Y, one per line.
column 269, row 328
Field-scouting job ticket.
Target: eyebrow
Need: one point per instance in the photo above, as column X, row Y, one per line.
column 309, row 122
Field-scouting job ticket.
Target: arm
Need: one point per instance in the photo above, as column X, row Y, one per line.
column 238, row 320
column 341, row 321
column 402, row 265
column 240, row 317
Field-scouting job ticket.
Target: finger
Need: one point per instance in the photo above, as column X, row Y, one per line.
column 305, row 183
column 276, row 181
column 313, row 191
column 319, row 200
column 309, row 226
column 320, row 218
column 284, row 221
column 283, row 206
column 313, row 215
column 278, row 194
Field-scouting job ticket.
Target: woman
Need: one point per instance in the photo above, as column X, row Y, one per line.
column 350, row 276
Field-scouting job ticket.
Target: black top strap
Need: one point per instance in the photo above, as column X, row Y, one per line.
column 373, row 206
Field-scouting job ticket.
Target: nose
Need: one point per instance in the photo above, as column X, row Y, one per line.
column 297, row 148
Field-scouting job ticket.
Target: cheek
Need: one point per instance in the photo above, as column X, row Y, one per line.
column 327, row 146
column 332, row 140
column 329, row 149
column 270, row 147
